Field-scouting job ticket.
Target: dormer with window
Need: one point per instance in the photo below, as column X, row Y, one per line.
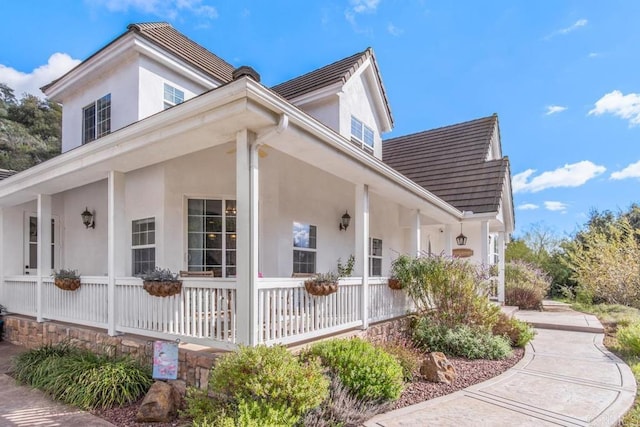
column 347, row 96
column 149, row 68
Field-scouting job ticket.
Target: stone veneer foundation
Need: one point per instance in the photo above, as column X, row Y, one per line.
column 195, row 361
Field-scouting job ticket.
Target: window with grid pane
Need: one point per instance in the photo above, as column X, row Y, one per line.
column 304, row 248
column 172, row 96
column 143, row 245
column 362, row 134
column 211, row 239
column 375, row 257
column 96, row 119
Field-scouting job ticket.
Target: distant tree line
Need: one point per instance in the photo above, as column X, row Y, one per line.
column 599, row 263
column 30, row 129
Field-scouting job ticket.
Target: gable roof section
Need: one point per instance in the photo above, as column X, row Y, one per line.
column 337, row 72
column 163, row 35
column 451, row 163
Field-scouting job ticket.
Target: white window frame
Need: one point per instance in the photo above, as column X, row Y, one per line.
column 373, row 256
column 55, row 242
column 309, row 249
column 228, row 210
column 362, row 134
column 135, row 247
column 100, row 120
column 176, row 96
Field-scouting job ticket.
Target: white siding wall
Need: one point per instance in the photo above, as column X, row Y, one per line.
column 121, row 81
column 152, row 77
column 326, row 111
column 356, row 100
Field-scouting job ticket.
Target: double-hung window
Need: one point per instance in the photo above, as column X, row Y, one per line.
column 96, row 119
column 362, row 134
column 304, row 248
column 211, row 239
column 375, row 257
column 172, row 96
column 143, row 245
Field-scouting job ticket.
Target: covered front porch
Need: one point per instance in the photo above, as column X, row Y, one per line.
column 256, row 173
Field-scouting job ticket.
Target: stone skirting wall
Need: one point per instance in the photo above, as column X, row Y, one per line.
column 194, row 365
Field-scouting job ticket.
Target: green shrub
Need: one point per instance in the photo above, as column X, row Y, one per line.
column 368, row 372
column 451, row 291
column 462, row 340
column 406, row 354
column 269, row 382
column 81, row 378
column 519, row 333
column 629, row 338
column 525, row 285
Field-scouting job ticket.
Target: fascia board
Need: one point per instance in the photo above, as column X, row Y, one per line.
column 322, row 93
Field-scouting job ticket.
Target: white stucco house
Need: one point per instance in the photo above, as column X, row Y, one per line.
column 188, row 163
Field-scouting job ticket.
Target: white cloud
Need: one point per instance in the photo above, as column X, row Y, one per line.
column 624, row 106
column 553, row 109
column 361, row 6
column 570, row 175
column 578, row 24
column 593, row 54
column 556, row 206
column 527, row 207
column 631, row 171
column 168, row 9
column 393, row 30
column 20, row 82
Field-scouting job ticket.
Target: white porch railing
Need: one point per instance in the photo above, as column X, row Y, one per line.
column 86, row 306
column 205, row 311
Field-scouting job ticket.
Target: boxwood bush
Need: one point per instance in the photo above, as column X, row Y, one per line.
column 367, row 371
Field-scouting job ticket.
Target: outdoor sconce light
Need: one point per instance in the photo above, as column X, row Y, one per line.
column 87, row 218
column 461, row 240
column 344, row 221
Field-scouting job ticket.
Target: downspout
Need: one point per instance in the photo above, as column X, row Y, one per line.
column 254, row 218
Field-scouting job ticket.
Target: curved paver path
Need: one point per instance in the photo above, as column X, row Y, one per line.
column 567, row 377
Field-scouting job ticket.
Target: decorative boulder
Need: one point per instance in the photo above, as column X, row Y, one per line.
column 436, row 368
column 159, row 405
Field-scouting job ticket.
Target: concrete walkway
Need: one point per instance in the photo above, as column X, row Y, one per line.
column 567, row 378
column 24, row 406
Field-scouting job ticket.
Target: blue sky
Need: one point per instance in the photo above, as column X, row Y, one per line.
column 562, row 75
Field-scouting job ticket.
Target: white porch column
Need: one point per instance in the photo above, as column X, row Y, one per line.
column 246, row 241
column 448, row 241
column 362, row 247
column 43, row 248
column 501, row 249
column 415, row 233
column 484, row 242
column 116, row 238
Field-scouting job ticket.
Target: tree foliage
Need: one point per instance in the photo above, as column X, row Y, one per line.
column 30, row 130
column 605, row 258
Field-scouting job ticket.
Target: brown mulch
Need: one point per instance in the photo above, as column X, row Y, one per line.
column 469, row 372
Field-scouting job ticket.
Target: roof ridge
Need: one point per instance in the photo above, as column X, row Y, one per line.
column 139, row 26
column 415, row 134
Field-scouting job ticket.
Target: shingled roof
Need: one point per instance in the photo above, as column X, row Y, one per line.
column 6, row 173
column 163, row 35
column 336, row 72
column 451, row 163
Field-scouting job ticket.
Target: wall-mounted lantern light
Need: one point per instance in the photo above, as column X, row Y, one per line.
column 344, row 221
column 461, row 240
column 87, row 218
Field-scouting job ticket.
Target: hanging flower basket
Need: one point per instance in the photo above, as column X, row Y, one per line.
column 68, row 284
column 322, row 284
column 162, row 289
column 394, row 283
